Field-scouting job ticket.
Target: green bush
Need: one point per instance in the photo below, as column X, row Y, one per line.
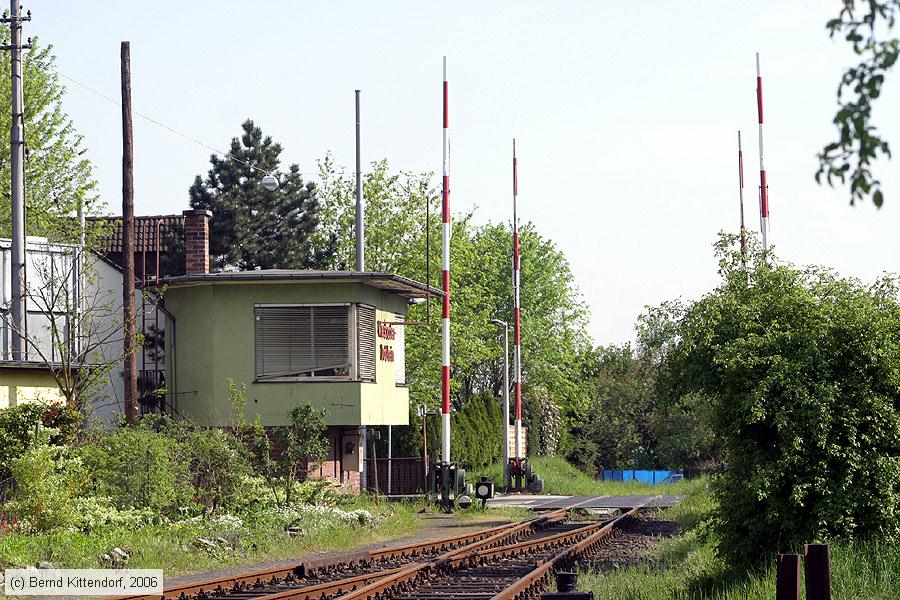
column 477, row 432
column 19, row 423
column 218, row 466
column 139, row 467
column 166, row 465
column 47, row 480
column 802, row 370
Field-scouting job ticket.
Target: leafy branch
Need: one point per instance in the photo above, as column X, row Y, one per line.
column 859, row 142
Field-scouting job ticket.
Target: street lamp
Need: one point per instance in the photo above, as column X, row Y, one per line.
column 505, row 327
column 269, row 181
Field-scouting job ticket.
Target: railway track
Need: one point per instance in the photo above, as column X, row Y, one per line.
column 510, row 562
column 326, row 578
column 503, row 572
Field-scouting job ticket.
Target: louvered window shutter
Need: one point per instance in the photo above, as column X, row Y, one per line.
column 302, row 341
column 400, row 351
column 365, row 320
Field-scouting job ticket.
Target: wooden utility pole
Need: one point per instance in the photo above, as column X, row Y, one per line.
column 131, row 407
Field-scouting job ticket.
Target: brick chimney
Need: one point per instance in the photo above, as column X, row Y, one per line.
column 196, row 241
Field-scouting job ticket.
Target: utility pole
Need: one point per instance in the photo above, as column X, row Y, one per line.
column 131, row 408
column 17, row 148
column 505, row 327
column 360, row 234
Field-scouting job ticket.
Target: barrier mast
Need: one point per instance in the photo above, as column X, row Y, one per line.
column 517, row 331
column 741, row 195
column 445, row 282
column 763, row 186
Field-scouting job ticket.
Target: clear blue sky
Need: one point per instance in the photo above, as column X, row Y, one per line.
column 625, row 114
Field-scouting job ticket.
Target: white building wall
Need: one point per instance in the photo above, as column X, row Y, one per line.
column 102, row 300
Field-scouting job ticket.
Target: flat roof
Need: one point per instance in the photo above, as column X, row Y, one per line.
column 398, row 284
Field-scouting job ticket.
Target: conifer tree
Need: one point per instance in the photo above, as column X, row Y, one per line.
column 251, row 226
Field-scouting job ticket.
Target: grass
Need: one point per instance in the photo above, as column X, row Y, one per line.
column 562, row 478
column 687, row 566
column 170, row 548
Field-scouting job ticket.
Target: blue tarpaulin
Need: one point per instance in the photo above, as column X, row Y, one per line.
column 643, row 476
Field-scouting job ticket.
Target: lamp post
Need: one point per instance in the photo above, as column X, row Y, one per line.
column 505, row 327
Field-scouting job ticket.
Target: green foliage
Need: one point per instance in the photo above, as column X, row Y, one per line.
column 165, row 466
column 252, row 227
column 686, row 566
column 618, row 419
column 625, row 424
column 58, row 174
column 218, row 464
column 551, row 428
column 305, row 444
column 800, row 369
column 553, row 317
column 139, row 467
column 859, row 143
column 684, row 434
column 19, row 423
column 477, row 432
column 563, row 478
column 257, row 534
column 47, row 479
column 303, row 441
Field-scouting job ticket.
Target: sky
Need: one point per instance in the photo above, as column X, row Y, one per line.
column 625, row 115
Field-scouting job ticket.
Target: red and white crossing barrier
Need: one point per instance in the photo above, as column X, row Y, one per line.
column 517, row 331
column 445, row 282
column 763, row 186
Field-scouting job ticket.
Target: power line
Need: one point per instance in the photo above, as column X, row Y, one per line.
column 173, row 130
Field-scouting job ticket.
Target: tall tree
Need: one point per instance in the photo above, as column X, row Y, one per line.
column 58, row 175
column 553, row 316
column 800, row 369
column 859, row 143
column 251, row 226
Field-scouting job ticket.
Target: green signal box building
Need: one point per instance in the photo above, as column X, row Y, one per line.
column 332, row 339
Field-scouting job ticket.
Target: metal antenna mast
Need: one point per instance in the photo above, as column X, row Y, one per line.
column 17, row 147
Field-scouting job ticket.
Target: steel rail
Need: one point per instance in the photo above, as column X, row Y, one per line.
column 539, row 577
column 303, row 569
column 482, row 556
column 441, row 544
column 329, row 588
column 406, row 576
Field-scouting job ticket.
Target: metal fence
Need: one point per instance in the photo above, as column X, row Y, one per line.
column 407, row 476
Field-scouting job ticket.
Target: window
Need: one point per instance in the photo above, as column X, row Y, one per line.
column 324, row 341
column 299, row 342
column 365, row 321
column 51, row 288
